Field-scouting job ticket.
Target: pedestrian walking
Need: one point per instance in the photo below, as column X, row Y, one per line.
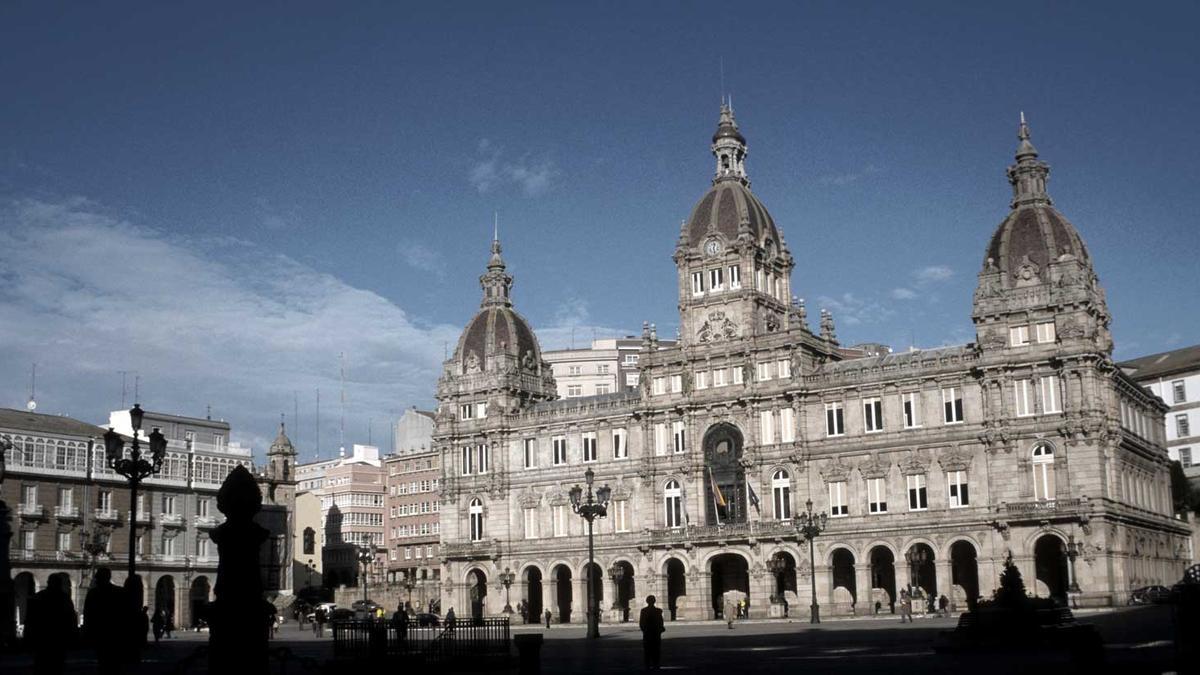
column 104, row 617
column 651, row 623
column 50, row 626
column 319, row 622
column 905, row 607
column 450, row 620
column 169, row 624
column 548, row 615
column 400, row 623
column 943, row 605
column 729, row 611
column 158, row 624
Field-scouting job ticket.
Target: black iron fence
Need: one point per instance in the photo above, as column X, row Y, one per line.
column 467, row 640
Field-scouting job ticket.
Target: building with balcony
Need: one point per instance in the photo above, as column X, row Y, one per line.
column 64, row 495
column 932, row 466
column 608, row 366
column 1174, row 377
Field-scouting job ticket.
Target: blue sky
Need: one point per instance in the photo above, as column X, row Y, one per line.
column 223, row 197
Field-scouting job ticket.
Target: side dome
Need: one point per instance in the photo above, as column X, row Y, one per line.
column 497, row 336
column 724, row 208
column 1034, row 235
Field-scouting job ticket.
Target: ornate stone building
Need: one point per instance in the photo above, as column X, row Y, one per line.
column 932, row 465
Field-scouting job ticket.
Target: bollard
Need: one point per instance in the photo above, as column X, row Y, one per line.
column 529, row 653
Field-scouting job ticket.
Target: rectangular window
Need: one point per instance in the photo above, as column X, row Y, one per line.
column 735, row 276
column 168, row 504
column 531, row 523
column 560, row 520
column 764, row 372
column 602, row 389
column 574, row 390
column 481, row 410
column 787, row 425
column 1022, row 391
column 959, row 496
column 1179, row 391
column 660, row 385
column 676, row 384
column 912, row 410
column 1050, row 397
column 784, row 368
column 66, row 498
column 631, row 359
column 834, row 419
column 679, row 437
column 660, row 439
column 1182, row 428
column 837, row 499
column 589, row 446
column 27, row 540
column 1018, row 336
column 202, row 506
column 918, row 500
column 953, row 405
column 716, row 279
column 766, row 426
column 873, row 414
column 877, row 495
column 718, row 379
column 1185, row 456
column 620, row 515
column 574, row 370
column 529, row 447
column 467, row 460
column 737, row 374
column 620, row 448
column 485, row 458
column 466, row 411
column 106, row 500
column 602, row 369
column 1045, row 332
column 64, row 541
column 697, row 283
column 558, row 445
column 701, row 379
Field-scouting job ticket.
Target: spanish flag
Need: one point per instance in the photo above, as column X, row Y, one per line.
column 712, row 480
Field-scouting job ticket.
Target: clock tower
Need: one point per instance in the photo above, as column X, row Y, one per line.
column 734, row 267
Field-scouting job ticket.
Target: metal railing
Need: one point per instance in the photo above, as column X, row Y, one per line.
column 477, row 640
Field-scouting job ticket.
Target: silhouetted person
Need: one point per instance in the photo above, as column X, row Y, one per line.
column 905, row 607
column 943, row 603
column 158, row 624
column 651, row 623
column 49, row 626
column 104, row 622
column 450, row 620
column 400, row 623
column 319, row 622
column 548, row 616
column 169, row 624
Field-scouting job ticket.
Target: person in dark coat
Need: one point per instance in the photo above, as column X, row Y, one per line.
column 548, row 615
column 651, row 623
column 104, row 622
column 50, row 626
column 400, row 623
column 157, row 623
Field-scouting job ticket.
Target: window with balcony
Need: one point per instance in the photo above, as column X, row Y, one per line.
column 1043, row 472
column 673, row 504
column 781, row 495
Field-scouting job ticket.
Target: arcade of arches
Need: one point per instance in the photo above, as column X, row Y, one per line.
column 185, row 598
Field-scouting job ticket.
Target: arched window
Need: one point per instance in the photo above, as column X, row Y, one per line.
column 476, row 518
column 781, row 495
column 310, row 541
column 1043, row 472
column 673, row 502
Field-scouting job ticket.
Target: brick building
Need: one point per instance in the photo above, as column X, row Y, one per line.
column 413, row 521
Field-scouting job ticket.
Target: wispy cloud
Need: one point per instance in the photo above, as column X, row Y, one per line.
column 270, row 217
column 573, row 326
column 903, row 294
column 491, row 170
column 852, row 310
column 421, row 257
column 933, row 274
column 922, row 279
column 851, row 177
column 203, row 321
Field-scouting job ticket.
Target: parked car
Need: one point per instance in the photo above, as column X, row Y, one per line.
column 341, row 614
column 427, row 619
column 329, row 608
column 1147, row 595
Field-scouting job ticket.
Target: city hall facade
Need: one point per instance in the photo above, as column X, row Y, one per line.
column 932, row 465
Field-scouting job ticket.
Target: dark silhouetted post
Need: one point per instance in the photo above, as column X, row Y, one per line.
column 239, row 615
column 8, row 621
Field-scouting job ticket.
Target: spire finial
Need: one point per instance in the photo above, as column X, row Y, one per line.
column 496, row 283
column 495, row 226
column 1028, row 176
column 729, row 146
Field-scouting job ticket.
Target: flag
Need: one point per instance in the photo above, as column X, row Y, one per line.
column 712, row 480
column 753, row 498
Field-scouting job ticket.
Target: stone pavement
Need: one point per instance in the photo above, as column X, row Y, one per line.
column 1137, row 640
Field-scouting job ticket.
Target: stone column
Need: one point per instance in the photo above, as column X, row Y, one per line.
column 699, row 596
column 579, row 604
column 762, row 585
column 865, row 600
column 944, row 585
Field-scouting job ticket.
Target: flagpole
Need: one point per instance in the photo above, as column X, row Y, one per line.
column 712, row 487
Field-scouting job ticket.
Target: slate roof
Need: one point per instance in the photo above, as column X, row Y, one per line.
column 32, row 422
column 1167, row 363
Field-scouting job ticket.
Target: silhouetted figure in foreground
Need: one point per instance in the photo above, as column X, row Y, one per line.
column 651, row 623
column 104, row 622
column 319, row 617
column 548, row 617
column 450, row 620
column 49, row 627
column 238, row 618
column 400, row 623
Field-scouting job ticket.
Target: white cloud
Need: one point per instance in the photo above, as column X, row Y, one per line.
column 903, row 294
column 850, row 310
column 491, row 170
column 421, row 257
column 269, row 215
column 573, row 326
column 203, row 321
column 851, row 177
column 933, row 274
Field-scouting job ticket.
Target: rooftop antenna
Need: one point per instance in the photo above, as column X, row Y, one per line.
column 137, row 384
column 722, row 62
column 124, row 374
column 318, row 452
column 1022, row 117
column 32, row 404
column 296, row 415
column 495, row 226
column 342, row 421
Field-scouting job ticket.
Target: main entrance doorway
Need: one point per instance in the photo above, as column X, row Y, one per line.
column 725, row 479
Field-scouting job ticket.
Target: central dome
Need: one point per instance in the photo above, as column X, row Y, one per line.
column 724, row 208
column 497, row 331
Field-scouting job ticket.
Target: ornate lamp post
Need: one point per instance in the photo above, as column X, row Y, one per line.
column 1074, row 549
column 809, row 525
column 589, row 507
column 134, row 468
column 365, row 557
column 916, row 557
column 507, row 577
column 776, row 565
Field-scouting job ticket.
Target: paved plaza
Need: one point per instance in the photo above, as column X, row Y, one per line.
column 1136, row 641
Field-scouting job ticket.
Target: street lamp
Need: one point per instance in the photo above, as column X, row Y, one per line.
column 589, row 507
column 776, row 565
column 134, row 468
column 1074, row 549
column 507, row 577
column 809, row 525
column 309, row 567
column 365, row 556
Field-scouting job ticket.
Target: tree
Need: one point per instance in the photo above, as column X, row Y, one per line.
column 1011, row 593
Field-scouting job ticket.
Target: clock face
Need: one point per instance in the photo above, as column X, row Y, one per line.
column 713, row 247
